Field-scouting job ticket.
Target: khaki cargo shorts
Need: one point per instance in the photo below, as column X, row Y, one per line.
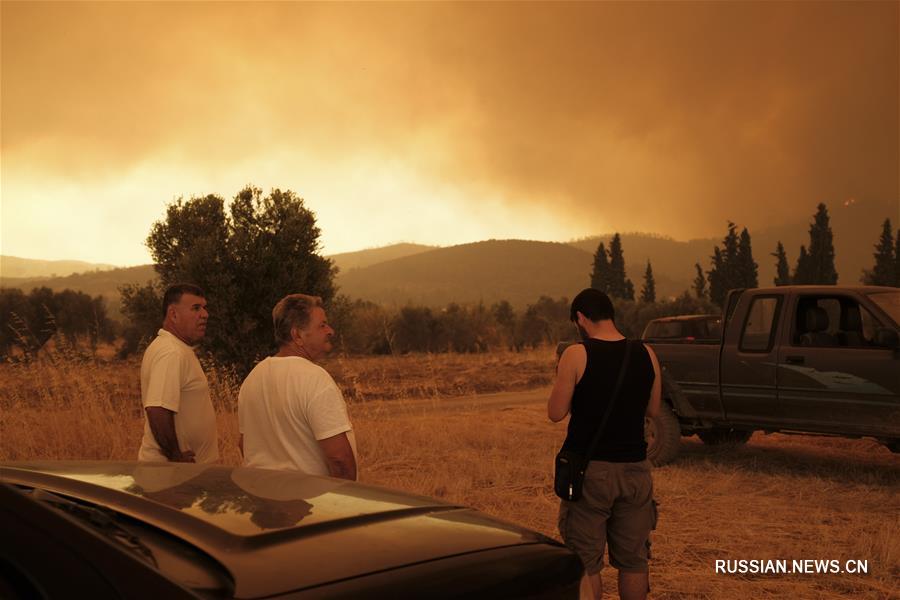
column 616, row 508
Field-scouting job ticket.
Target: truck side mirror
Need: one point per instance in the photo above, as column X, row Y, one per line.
column 887, row 338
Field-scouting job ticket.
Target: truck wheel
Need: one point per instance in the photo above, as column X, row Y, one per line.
column 721, row 437
column 663, row 435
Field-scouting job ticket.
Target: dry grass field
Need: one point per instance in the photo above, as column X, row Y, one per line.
column 779, row 497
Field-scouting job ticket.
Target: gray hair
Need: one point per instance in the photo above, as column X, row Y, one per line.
column 292, row 311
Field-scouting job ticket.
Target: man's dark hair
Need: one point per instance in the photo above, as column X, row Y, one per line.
column 176, row 291
column 593, row 304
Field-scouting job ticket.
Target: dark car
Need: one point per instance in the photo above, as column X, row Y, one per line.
column 167, row 530
column 684, row 329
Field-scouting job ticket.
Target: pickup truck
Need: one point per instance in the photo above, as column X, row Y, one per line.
column 684, row 329
column 793, row 359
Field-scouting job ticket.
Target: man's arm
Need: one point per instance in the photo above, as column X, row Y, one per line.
column 339, row 456
column 655, row 402
column 571, row 365
column 162, row 425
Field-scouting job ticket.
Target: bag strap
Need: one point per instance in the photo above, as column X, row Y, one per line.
column 615, row 396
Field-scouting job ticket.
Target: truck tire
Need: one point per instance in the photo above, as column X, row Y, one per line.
column 722, row 437
column 663, row 435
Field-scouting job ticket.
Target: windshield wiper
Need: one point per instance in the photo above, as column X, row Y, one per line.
column 100, row 518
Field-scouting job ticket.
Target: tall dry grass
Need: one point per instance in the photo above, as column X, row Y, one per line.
column 779, row 497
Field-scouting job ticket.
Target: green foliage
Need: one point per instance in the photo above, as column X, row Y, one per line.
column 782, row 271
column 415, row 329
column 897, row 258
column 648, row 294
column 29, row 321
column 367, row 328
column 732, row 265
column 361, row 327
column 246, row 260
column 601, row 276
column 619, row 284
column 803, row 270
column 747, row 269
column 632, row 317
column 545, row 322
column 142, row 309
column 884, row 271
column 699, row 282
column 815, row 265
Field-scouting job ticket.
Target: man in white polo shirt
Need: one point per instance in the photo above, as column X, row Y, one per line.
column 291, row 413
column 180, row 424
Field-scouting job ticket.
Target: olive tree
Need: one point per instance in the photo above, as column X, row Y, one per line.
column 246, row 259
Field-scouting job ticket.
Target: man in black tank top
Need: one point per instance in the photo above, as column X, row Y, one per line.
column 617, row 507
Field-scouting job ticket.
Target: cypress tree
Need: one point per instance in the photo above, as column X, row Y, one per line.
column 717, row 289
column 782, row 271
column 728, row 264
column 897, row 259
column 747, row 271
column 803, row 270
column 619, row 285
column 884, row 270
column 600, row 276
column 821, row 249
column 648, row 294
column 699, row 282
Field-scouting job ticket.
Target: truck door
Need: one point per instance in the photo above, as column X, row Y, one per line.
column 749, row 361
column 832, row 377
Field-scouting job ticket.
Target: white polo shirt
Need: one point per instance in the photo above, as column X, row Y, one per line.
column 285, row 406
column 171, row 377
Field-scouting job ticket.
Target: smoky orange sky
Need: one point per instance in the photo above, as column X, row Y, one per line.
column 444, row 123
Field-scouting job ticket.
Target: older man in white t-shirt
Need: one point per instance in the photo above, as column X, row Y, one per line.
column 291, row 413
column 180, row 423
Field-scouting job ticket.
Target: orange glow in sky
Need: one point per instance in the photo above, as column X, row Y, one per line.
column 442, row 123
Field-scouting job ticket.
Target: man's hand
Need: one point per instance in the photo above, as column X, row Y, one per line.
column 162, row 426
column 187, row 456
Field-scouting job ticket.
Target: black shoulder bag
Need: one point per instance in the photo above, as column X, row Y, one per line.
column 571, row 465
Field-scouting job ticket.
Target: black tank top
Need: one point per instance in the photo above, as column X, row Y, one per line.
column 623, row 437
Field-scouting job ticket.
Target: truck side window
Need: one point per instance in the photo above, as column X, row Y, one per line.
column 833, row 321
column 759, row 328
column 869, row 325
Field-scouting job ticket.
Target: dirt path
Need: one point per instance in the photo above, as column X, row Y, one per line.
column 477, row 402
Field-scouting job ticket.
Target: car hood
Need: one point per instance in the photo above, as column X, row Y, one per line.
column 277, row 531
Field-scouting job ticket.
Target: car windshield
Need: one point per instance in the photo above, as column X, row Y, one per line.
column 889, row 302
column 175, row 558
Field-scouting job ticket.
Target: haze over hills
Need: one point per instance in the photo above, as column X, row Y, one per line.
column 14, row 266
column 516, row 270
column 94, row 283
column 370, row 256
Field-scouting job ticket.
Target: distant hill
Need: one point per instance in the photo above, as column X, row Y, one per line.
column 363, row 258
column 515, row 270
column 94, row 283
column 13, row 266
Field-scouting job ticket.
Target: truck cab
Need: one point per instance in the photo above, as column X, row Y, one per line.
column 810, row 359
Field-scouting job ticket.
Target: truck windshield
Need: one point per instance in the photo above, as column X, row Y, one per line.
column 889, row 302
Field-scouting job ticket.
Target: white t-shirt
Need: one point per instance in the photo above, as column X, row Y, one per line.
column 171, row 377
column 285, row 406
